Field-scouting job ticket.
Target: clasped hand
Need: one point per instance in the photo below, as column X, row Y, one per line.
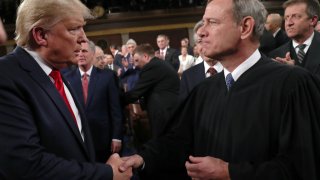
column 115, row 162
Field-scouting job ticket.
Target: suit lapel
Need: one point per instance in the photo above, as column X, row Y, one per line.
column 77, row 84
column 312, row 56
column 40, row 77
column 92, row 84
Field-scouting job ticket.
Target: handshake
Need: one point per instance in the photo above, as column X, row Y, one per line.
column 122, row 167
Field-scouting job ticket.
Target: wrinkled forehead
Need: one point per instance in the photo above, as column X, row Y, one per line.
column 297, row 8
column 218, row 9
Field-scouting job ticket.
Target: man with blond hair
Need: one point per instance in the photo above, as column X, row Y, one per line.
column 44, row 133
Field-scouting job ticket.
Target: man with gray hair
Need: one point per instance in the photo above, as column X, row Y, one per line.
column 44, row 133
column 196, row 74
column 258, row 119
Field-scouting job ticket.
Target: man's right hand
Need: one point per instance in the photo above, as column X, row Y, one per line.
column 134, row 161
column 115, row 161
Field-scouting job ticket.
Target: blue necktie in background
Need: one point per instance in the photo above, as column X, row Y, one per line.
column 229, row 81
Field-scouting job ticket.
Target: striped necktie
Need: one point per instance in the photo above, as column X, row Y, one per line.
column 301, row 52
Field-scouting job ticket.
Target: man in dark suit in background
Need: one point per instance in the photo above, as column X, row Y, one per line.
column 273, row 24
column 116, row 54
column 194, row 75
column 43, row 130
column 267, row 42
column 158, row 83
column 110, row 64
column 169, row 55
column 98, row 92
column 300, row 19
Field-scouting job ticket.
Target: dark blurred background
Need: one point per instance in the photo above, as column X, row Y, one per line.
column 8, row 7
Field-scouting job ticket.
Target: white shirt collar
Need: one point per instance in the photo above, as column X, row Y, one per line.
column 218, row 66
column 164, row 50
column 275, row 33
column 244, row 66
column 306, row 42
column 88, row 72
column 47, row 69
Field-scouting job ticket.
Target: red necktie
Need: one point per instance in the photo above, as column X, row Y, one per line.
column 212, row 71
column 55, row 74
column 85, row 83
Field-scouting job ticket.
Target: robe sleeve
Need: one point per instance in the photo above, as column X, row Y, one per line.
column 298, row 155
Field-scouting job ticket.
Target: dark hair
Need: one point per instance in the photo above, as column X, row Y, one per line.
column 144, row 48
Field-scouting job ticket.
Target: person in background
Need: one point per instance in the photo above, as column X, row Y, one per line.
column 99, row 58
column 196, row 54
column 186, row 60
column 43, row 129
column 185, row 43
column 3, row 34
column 258, row 119
column 273, row 25
column 116, row 54
column 158, row 85
column 317, row 28
column 267, row 42
column 110, row 64
column 98, row 93
column 303, row 49
column 166, row 53
column 129, row 72
column 206, row 68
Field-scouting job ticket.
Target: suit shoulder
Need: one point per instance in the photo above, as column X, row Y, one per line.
column 280, row 51
column 8, row 63
column 106, row 72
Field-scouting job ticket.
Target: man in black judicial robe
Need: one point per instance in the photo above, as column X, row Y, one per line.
column 262, row 125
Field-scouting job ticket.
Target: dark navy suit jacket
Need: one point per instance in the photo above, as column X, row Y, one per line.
column 190, row 78
column 103, row 109
column 38, row 136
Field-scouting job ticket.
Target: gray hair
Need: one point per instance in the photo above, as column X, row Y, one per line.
column 92, row 46
column 197, row 26
column 131, row 41
column 45, row 14
column 253, row 8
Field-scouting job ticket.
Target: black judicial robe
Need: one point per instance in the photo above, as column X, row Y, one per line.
column 267, row 126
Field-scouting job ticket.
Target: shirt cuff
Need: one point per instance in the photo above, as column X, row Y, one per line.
column 116, row 140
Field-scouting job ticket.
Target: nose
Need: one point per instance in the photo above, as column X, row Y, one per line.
column 201, row 32
column 82, row 36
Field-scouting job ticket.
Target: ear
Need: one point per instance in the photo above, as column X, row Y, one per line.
column 314, row 21
column 40, row 36
column 247, row 26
